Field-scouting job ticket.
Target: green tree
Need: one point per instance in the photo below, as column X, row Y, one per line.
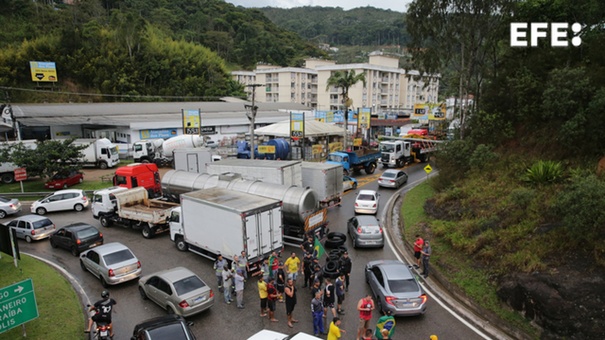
column 344, row 80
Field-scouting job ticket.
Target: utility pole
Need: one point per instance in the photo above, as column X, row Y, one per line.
column 251, row 114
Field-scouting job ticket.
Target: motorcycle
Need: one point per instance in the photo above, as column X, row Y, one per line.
column 101, row 330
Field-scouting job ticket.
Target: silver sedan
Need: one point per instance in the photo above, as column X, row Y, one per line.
column 178, row 290
column 112, row 263
column 392, row 178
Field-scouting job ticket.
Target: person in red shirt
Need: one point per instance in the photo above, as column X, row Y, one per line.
column 418, row 244
column 365, row 306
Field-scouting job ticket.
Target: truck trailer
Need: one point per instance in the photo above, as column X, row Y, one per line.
column 101, row 153
column 278, row 172
column 355, row 161
column 325, row 179
column 217, row 221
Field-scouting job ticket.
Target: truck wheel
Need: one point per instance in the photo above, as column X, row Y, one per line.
column 7, row 178
column 370, row 168
column 399, row 163
column 147, row 231
column 103, row 165
column 181, row 244
column 105, row 222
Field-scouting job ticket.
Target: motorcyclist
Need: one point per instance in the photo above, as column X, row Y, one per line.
column 103, row 309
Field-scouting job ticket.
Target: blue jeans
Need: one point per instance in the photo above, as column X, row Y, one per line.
column 318, row 322
column 227, row 292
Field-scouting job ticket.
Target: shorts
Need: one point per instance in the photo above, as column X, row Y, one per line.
column 289, row 307
column 293, row 276
column 263, row 303
column 328, row 304
column 280, row 287
column 98, row 318
column 340, row 299
column 417, row 255
column 363, row 323
column 271, row 305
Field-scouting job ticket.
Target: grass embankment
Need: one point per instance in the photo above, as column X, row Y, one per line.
column 455, row 265
column 60, row 312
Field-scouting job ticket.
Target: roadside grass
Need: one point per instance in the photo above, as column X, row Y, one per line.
column 454, row 245
column 60, row 311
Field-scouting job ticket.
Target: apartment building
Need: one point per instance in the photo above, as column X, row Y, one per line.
column 387, row 87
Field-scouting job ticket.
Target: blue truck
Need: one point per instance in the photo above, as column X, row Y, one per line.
column 355, row 161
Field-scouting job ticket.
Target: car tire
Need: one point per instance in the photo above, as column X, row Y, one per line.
column 28, row 239
column 103, row 282
column 82, row 265
column 40, row 211
column 354, row 186
column 335, row 239
column 170, row 310
column 105, row 222
column 378, row 305
column 52, row 243
column 78, row 207
column 103, row 165
column 142, row 293
column 181, row 244
column 74, row 251
column 147, row 231
column 2, row 214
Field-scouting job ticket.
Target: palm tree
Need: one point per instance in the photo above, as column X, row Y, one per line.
column 344, row 80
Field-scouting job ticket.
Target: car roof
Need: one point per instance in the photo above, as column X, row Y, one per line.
column 159, row 321
column 392, row 171
column 78, row 226
column 109, row 248
column 174, row 274
column 367, row 192
column 367, row 219
column 69, row 191
column 394, row 269
column 31, row 218
column 266, row 334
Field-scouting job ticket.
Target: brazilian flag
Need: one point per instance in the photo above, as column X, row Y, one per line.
column 385, row 322
column 318, row 249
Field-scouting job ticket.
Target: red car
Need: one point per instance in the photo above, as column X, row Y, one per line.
column 62, row 180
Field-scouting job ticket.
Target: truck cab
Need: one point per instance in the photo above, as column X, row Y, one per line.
column 341, row 158
column 139, row 175
column 146, row 150
column 394, row 153
column 104, row 201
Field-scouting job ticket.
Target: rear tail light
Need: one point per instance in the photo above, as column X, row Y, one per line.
column 374, row 206
column 12, row 206
column 84, row 198
column 111, row 273
column 211, row 293
column 78, row 241
column 392, row 181
column 390, row 300
column 101, row 235
column 356, row 204
column 33, row 232
column 138, row 264
column 359, row 230
column 423, row 297
column 183, row 304
column 380, row 230
column 103, row 327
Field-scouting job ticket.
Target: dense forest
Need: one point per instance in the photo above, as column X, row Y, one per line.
column 136, row 50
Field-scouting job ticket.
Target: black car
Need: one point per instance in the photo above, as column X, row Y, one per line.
column 170, row 326
column 76, row 238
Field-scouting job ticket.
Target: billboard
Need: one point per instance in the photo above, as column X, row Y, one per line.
column 43, row 71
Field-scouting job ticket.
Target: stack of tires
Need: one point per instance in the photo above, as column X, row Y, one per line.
column 332, row 267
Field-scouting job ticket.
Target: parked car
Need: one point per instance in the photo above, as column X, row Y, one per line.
column 32, row 227
column 266, row 334
column 348, row 183
column 9, row 206
column 64, row 180
column 170, row 326
column 392, row 178
column 367, row 202
column 112, row 263
column 365, row 231
column 70, row 199
column 177, row 290
column 395, row 288
column 76, row 238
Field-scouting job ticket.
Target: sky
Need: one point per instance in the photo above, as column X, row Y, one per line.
column 395, row 5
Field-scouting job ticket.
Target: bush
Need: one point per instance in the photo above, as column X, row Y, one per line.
column 544, row 172
column 482, row 156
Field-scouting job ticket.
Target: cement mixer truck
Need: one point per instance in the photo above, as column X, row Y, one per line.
column 301, row 212
column 161, row 152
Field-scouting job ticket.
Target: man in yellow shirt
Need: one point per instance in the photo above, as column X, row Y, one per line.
column 292, row 267
column 262, row 293
column 335, row 331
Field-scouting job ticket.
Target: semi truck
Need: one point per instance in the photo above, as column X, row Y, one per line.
column 160, row 151
column 131, row 208
column 101, row 153
column 7, row 169
column 325, row 179
column 217, row 221
column 355, row 161
column 397, row 152
column 136, row 175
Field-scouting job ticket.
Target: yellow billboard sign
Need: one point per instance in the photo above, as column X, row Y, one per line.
column 266, row 149
column 191, row 122
column 357, row 142
column 336, row 146
column 43, row 71
column 317, row 149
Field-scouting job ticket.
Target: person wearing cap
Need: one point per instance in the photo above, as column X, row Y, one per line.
column 426, row 255
column 335, row 332
column 386, row 322
column 345, row 267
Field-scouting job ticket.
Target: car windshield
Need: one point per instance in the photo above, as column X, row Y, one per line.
column 4, row 199
column 42, row 223
column 335, row 158
column 387, row 148
column 88, row 232
column 188, row 284
column 171, row 331
column 388, row 175
column 365, row 197
column 403, row 286
column 370, row 229
column 118, row 256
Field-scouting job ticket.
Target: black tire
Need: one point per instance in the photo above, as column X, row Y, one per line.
column 103, row 165
column 399, row 163
column 328, row 272
column 52, row 243
column 28, row 239
column 181, row 244
column 369, row 169
column 2, row 214
column 333, row 257
column 331, row 266
column 170, row 310
column 335, row 239
column 7, row 178
column 40, row 211
column 147, row 231
column 74, row 251
column 142, row 293
column 82, row 266
column 105, row 221
column 78, row 207
column 378, row 304
column 343, row 249
column 103, row 282
column 354, row 186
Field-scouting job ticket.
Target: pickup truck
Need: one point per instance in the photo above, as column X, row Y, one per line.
column 355, row 161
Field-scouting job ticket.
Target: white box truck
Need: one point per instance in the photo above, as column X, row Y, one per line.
column 194, row 159
column 101, row 152
column 325, row 179
column 7, row 169
column 220, row 221
column 279, row 172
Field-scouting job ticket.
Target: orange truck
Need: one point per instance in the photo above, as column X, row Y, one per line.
column 135, row 175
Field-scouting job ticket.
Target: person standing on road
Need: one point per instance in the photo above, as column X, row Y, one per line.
column 274, row 264
column 317, row 312
column 239, row 288
column 308, row 246
column 263, row 293
column 243, row 265
column 365, row 306
column 335, row 332
column 329, row 298
column 340, row 292
column 227, row 276
column 219, row 264
column 290, row 291
column 292, row 267
column 345, row 267
column 271, row 299
column 387, row 321
column 233, row 271
column 426, row 256
column 280, row 282
column 417, row 249
column 307, row 270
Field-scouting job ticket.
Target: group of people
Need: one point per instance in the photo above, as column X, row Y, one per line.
column 422, row 253
column 231, row 279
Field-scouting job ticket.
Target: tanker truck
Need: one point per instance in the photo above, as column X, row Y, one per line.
column 161, row 152
column 301, row 213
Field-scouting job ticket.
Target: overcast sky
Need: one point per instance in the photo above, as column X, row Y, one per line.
column 395, row 5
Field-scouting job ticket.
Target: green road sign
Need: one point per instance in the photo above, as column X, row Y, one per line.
column 17, row 305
